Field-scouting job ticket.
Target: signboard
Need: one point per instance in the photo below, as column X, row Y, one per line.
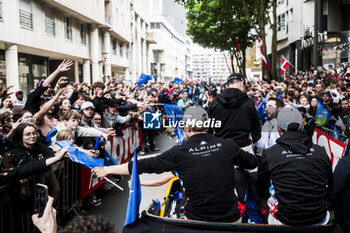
column 121, row 149
column 333, row 147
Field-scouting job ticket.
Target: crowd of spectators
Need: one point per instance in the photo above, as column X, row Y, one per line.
column 81, row 112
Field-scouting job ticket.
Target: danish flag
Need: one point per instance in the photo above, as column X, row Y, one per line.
column 285, row 64
column 260, row 53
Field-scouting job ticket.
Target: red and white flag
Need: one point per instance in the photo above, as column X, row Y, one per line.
column 285, row 64
column 260, row 53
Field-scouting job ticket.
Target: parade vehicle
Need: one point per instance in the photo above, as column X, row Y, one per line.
column 159, row 218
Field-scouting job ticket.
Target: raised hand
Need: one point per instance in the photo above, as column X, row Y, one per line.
column 65, row 65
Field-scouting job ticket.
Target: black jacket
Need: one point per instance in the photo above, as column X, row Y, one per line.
column 238, row 117
column 340, row 194
column 24, row 171
column 23, row 155
column 300, row 173
column 205, row 164
column 34, row 98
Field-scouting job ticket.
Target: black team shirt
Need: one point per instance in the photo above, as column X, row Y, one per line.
column 205, row 164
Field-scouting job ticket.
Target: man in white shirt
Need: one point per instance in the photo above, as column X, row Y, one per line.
column 269, row 132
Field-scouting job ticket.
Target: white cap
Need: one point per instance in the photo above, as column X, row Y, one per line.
column 288, row 115
column 87, row 104
column 194, row 113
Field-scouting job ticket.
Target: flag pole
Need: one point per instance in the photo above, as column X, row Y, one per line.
column 296, row 70
column 113, row 183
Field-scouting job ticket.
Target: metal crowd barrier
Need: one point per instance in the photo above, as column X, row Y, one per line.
column 340, row 137
column 16, row 210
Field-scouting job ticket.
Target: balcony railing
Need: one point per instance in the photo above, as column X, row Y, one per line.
column 50, row 26
column 26, row 18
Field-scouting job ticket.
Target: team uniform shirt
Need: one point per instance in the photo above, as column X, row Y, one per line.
column 205, row 164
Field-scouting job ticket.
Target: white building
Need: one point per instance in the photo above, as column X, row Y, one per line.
column 207, row 63
column 168, row 30
column 108, row 37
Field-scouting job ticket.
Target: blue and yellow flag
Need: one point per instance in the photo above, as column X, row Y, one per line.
column 322, row 116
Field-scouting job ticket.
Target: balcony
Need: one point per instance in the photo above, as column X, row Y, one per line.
column 26, row 19
column 151, row 37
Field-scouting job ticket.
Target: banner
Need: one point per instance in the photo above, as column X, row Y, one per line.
column 333, row 147
column 121, row 149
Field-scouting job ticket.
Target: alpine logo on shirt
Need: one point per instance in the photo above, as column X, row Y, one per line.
column 204, row 149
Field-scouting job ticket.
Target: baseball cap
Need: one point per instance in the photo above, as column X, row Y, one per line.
column 287, row 116
column 87, row 104
column 236, row 76
column 194, row 113
column 18, row 92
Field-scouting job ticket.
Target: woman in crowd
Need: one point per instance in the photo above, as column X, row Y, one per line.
column 6, row 105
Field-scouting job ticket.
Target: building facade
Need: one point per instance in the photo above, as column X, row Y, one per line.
column 207, row 63
column 102, row 37
column 295, row 32
column 168, row 31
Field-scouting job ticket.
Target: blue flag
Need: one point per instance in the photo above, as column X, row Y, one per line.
column 177, row 80
column 322, row 115
column 175, row 114
column 78, row 156
column 261, row 111
column 132, row 213
column 143, row 78
column 109, row 160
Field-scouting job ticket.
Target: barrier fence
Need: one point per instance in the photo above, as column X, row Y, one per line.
column 76, row 182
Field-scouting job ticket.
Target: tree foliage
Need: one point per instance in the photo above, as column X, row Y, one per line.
column 220, row 24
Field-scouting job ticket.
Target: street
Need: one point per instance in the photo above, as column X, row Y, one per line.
column 115, row 201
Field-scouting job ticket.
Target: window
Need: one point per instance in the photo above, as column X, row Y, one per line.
column 281, row 22
column 121, row 49
column 123, row 19
column 67, row 28
column 116, row 13
column 25, row 14
column 49, row 22
column 0, row 9
column 114, row 47
column 96, row 2
column 155, row 25
column 83, row 32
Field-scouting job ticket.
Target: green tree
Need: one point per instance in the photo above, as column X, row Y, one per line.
column 222, row 25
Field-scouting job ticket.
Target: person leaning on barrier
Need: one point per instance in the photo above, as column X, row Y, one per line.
column 295, row 175
column 205, row 164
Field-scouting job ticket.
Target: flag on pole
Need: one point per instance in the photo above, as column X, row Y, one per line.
column 323, row 115
column 132, row 213
column 285, row 64
column 143, row 78
column 78, row 156
column 177, row 80
column 260, row 53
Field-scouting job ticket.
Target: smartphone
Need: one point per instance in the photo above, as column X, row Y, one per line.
column 41, row 197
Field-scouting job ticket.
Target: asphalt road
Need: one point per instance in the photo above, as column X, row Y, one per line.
column 114, row 202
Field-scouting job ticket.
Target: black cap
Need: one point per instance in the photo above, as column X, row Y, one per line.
column 236, row 76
